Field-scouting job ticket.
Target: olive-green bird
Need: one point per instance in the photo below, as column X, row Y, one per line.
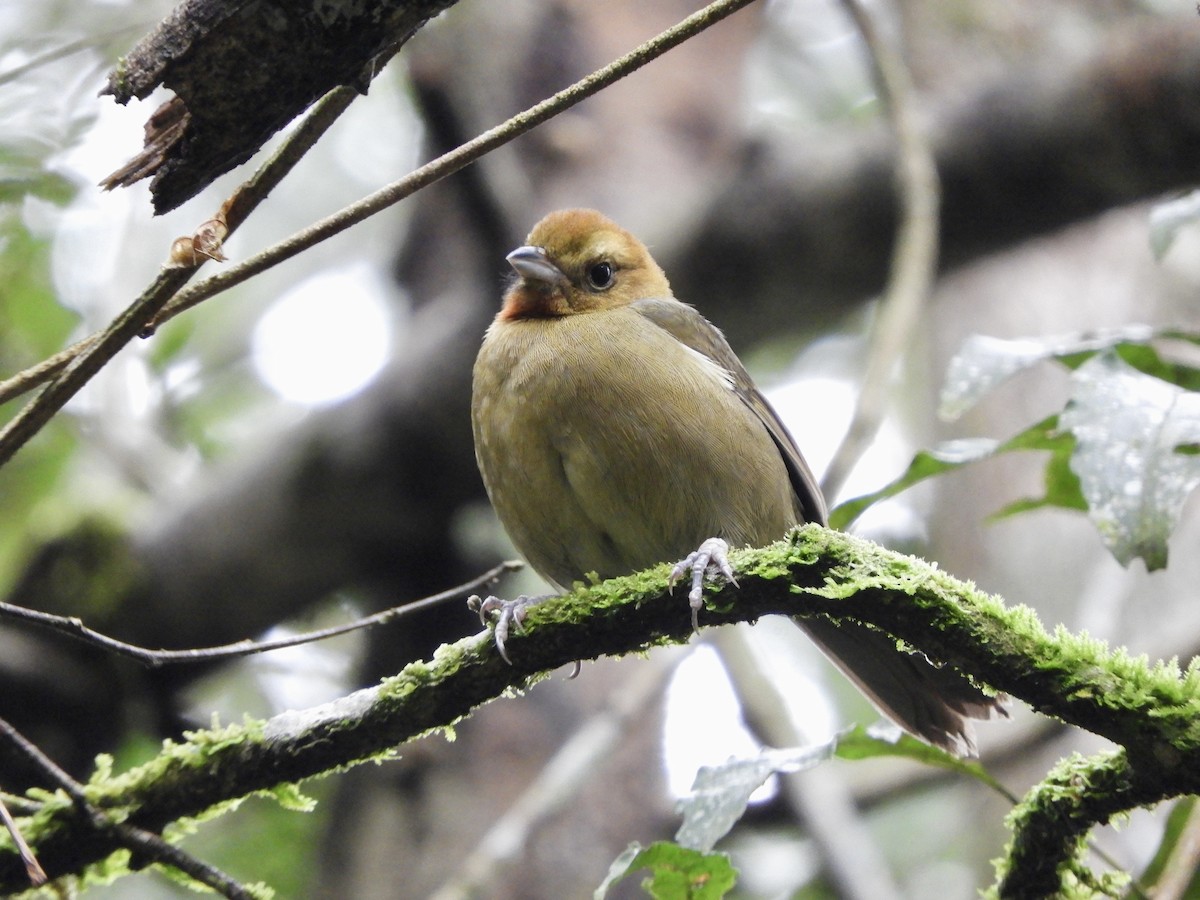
column 615, row 429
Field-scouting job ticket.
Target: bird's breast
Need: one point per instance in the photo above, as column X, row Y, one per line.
column 607, row 446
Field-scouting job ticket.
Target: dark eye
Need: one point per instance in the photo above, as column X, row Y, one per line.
column 600, row 275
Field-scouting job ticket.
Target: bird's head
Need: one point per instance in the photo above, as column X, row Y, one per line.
column 575, row 261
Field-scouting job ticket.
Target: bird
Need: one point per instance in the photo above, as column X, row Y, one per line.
column 616, row 429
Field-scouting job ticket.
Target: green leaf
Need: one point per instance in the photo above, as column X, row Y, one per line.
column 24, row 171
column 926, row 464
column 720, row 793
column 860, row 743
column 983, row 363
column 1127, row 426
column 1128, row 447
column 1145, row 358
column 1060, row 480
column 46, row 185
column 676, row 873
column 1061, row 484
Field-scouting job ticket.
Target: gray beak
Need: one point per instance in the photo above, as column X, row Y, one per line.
column 532, row 264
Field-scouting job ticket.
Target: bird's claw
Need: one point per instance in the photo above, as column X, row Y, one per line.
column 710, row 557
column 508, row 613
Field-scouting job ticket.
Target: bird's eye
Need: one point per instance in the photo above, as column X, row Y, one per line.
column 600, row 275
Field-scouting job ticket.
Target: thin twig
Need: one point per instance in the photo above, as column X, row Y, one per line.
column 73, row 627
column 37, row 875
column 155, row 847
column 320, row 118
column 456, row 159
column 235, row 210
column 155, row 308
column 73, row 367
column 142, row 842
column 914, row 257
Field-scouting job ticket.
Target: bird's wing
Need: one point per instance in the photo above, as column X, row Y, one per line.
column 692, row 330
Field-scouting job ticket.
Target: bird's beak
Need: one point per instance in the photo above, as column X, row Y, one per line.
column 532, row 264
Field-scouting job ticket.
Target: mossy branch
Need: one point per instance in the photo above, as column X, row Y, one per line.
column 1050, row 825
column 1151, row 711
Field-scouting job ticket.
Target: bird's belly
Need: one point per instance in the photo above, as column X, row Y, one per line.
column 612, row 468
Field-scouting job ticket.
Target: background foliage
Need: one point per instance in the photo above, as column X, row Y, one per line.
column 298, row 450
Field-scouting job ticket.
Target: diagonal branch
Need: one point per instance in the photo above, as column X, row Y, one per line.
column 152, row 308
column 72, row 368
column 151, row 847
column 913, row 265
column 456, row 159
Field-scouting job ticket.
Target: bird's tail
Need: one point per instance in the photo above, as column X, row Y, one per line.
column 935, row 703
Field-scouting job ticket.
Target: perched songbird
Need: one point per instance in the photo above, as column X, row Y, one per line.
column 616, row 429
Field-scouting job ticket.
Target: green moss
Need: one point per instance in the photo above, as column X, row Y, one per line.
column 119, row 78
column 1052, row 823
column 111, row 791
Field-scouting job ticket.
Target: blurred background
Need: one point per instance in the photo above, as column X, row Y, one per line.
column 297, row 452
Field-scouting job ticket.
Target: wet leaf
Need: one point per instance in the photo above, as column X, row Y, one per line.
column 983, row 363
column 1128, row 429
column 720, row 793
column 863, row 743
column 677, row 873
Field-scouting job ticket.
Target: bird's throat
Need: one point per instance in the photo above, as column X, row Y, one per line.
column 524, row 302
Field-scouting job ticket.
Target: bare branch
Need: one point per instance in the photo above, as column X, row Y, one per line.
column 456, row 159
column 37, row 876
column 914, row 257
column 73, row 627
column 233, row 212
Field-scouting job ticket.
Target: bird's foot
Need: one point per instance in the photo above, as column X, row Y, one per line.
column 710, row 558
column 506, row 613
